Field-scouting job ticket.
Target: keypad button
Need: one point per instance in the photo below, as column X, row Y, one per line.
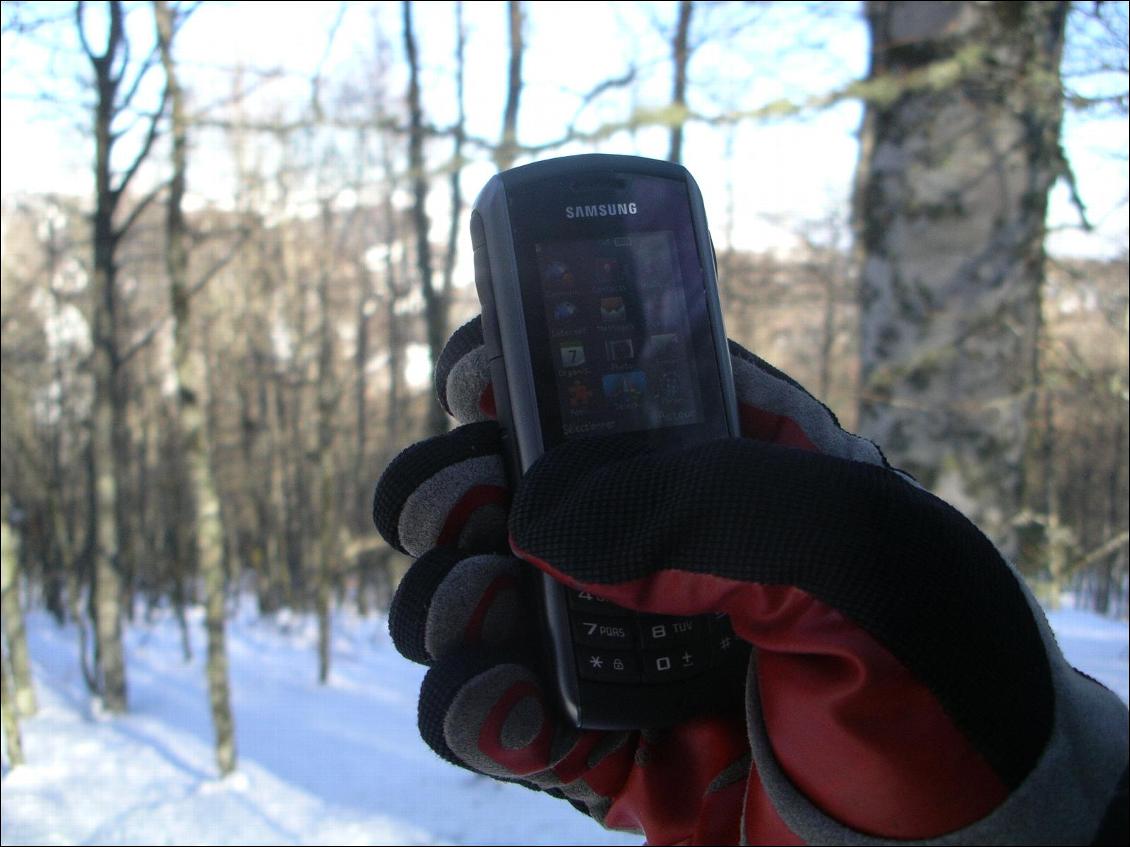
column 607, row 665
column 724, row 645
column 585, row 601
column 603, row 631
column 661, row 632
column 681, row 662
column 656, row 632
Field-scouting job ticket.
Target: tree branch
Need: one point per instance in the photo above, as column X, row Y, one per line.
column 207, row 276
column 143, row 153
column 137, row 211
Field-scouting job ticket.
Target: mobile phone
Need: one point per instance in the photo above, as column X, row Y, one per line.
column 600, row 314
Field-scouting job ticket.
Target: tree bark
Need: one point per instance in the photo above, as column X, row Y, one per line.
column 328, row 520
column 459, row 134
column 680, row 58
column 951, row 199
column 435, row 303
column 507, row 150
column 198, row 523
column 15, row 636
column 109, row 394
column 10, row 715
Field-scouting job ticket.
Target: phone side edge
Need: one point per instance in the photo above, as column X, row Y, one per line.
column 512, row 374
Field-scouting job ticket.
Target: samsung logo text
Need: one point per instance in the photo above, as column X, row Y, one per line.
column 600, row 210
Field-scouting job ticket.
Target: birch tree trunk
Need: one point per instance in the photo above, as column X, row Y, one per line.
column 109, row 402
column 10, row 713
column 15, row 636
column 960, row 147
column 198, row 524
column 329, row 517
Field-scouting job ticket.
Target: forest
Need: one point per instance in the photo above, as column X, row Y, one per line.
column 221, row 312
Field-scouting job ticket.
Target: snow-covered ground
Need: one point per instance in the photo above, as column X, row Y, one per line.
column 335, row 764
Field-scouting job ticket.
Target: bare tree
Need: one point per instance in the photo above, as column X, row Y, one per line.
column 9, row 713
column 507, row 150
column 435, row 302
column 952, row 192
column 680, row 58
column 197, row 522
column 115, row 96
column 15, row 638
column 459, row 136
column 328, row 394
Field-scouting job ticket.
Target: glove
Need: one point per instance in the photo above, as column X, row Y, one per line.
column 903, row 682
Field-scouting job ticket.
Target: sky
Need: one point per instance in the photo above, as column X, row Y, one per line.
column 334, row 764
column 760, row 182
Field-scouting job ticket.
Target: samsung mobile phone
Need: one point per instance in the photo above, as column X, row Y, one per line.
column 600, row 314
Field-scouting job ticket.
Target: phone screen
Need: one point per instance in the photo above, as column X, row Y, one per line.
column 615, row 308
column 620, row 339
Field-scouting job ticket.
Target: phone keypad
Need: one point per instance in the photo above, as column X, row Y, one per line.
column 617, row 645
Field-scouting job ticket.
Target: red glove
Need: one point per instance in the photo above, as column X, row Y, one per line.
column 903, row 685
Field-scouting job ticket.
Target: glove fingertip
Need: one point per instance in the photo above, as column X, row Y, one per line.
column 469, row 396
column 460, row 349
column 475, row 683
column 775, row 408
column 449, row 600
column 408, row 612
column 417, row 464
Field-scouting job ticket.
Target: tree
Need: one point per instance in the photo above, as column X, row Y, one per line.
column 435, row 299
column 328, row 552
column 117, row 82
column 197, row 522
column 9, row 713
column 680, row 58
column 960, row 146
column 507, row 150
column 15, row 638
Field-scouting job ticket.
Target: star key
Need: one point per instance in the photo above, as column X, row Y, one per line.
column 608, row 666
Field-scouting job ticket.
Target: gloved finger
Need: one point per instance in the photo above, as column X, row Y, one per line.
column 774, row 407
column 449, row 490
column 448, row 601
column 491, row 712
column 462, row 375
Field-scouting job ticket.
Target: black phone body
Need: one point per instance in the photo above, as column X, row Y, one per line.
column 600, row 309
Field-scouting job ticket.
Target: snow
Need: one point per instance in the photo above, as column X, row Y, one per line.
column 334, row 764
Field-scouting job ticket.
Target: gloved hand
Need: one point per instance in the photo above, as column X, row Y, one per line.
column 903, row 685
